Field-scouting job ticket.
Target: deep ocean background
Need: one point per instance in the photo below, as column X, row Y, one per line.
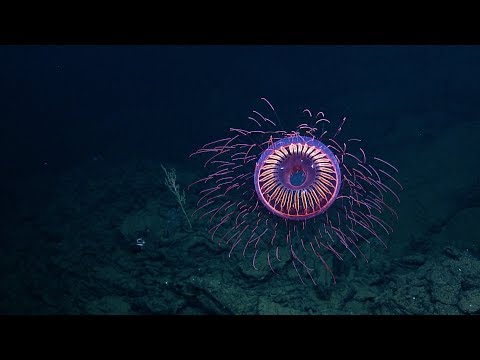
column 84, row 131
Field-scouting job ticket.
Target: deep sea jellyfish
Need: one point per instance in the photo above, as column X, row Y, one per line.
column 303, row 196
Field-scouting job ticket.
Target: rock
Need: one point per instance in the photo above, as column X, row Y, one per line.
column 268, row 307
column 470, row 302
column 445, row 287
column 112, row 305
column 415, row 260
column 364, row 294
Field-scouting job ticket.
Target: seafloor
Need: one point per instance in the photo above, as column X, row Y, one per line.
column 85, row 259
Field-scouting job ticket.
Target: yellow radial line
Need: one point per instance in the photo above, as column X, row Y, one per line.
column 305, row 149
column 318, row 152
column 269, row 188
column 314, row 195
column 324, row 188
column 267, row 172
column 304, row 200
column 327, row 176
column 267, row 184
column 311, row 203
column 320, row 158
column 298, row 148
column 322, row 180
column 328, row 169
column 271, row 160
column 315, row 199
column 292, row 149
column 326, row 183
column 279, row 152
column 276, row 199
column 269, row 168
column 266, row 179
column 308, row 202
column 296, row 203
column 264, row 175
column 315, row 152
column 284, row 151
column 324, row 162
column 309, row 150
column 319, row 191
column 283, row 196
column 318, row 155
column 274, row 195
column 289, row 199
column 275, row 157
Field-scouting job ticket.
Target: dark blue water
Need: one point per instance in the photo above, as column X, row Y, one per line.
column 84, row 129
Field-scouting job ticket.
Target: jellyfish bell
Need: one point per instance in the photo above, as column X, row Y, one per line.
column 307, row 192
column 297, row 178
